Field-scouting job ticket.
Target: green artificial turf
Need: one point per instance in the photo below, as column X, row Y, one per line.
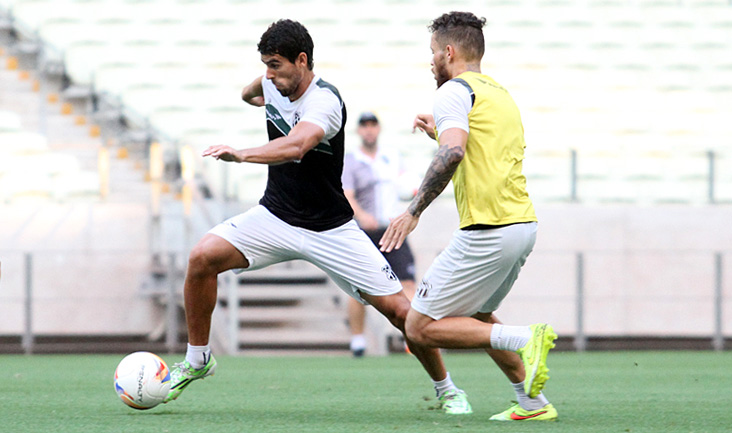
column 593, row 392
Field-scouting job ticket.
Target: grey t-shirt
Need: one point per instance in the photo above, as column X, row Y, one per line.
column 374, row 182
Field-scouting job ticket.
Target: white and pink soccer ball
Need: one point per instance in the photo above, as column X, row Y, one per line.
column 142, row 380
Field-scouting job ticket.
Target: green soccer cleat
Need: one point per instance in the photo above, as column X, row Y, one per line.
column 455, row 402
column 533, row 354
column 517, row 413
column 183, row 374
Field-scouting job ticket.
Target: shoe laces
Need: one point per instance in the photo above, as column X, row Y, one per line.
column 180, row 368
column 451, row 395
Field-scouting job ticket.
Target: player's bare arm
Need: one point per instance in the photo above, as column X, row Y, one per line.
column 439, row 173
column 443, row 166
column 253, row 94
column 293, row 147
column 425, row 123
column 365, row 220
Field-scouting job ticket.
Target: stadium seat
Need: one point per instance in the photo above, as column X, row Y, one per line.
column 651, row 68
column 9, row 122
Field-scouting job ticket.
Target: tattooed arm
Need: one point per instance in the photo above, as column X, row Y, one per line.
column 439, row 173
column 441, row 169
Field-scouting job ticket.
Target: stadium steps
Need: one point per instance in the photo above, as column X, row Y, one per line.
column 288, row 307
column 73, row 228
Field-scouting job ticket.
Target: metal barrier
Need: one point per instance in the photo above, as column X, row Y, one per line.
column 170, row 293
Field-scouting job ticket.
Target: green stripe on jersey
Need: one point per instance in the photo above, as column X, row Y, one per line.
column 273, row 115
column 332, row 88
column 323, row 147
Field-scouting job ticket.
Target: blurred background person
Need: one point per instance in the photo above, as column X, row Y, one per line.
column 370, row 182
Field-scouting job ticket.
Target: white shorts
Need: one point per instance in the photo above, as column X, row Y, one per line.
column 475, row 272
column 345, row 253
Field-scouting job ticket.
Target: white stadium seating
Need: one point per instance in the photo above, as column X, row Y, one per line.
column 637, row 76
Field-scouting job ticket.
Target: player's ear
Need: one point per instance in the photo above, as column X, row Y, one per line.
column 450, row 52
column 302, row 60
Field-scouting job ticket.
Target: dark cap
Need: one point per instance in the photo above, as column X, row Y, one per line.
column 367, row 117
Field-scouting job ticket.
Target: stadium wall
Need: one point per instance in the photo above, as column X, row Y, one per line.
column 648, row 271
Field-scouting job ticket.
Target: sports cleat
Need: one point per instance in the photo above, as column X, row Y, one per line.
column 183, row 374
column 517, row 413
column 533, row 354
column 455, row 402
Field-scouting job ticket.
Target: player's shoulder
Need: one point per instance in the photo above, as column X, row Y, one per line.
column 456, row 86
column 454, row 93
column 323, row 87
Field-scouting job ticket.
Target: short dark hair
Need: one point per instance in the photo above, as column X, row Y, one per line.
column 462, row 29
column 288, row 39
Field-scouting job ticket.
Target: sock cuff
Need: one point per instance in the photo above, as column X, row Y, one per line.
column 198, row 356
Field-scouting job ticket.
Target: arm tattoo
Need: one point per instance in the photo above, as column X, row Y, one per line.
column 438, row 175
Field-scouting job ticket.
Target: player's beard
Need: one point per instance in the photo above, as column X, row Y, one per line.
column 289, row 85
column 441, row 74
column 287, row 91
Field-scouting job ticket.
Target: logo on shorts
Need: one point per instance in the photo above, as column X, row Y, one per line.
column 390, row 275
column 424, row 288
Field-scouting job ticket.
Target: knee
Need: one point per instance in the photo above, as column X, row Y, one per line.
column 415, row 332
column 199, row 261
column 398, row 316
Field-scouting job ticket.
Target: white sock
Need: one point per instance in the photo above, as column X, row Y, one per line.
column 358, row 342
column 504, row 337
column 441, row 386
column 198, row 356
column 526, row 402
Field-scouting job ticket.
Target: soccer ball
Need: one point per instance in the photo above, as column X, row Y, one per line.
column 142, row 380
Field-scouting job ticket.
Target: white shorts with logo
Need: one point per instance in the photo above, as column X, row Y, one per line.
column 475, row 272
column 345, row 253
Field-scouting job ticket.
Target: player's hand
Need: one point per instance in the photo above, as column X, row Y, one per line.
column 425, row 123
column 222, row 152
column 397, row 231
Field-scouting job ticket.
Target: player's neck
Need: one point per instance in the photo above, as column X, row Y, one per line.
column 369, row 150
column 303, row 86
column 461, row 67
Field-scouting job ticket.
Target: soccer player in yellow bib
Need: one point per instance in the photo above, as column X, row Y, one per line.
column 481, row 148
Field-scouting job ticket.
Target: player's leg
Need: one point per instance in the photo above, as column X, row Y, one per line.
column 409, row 288
column 448, row 332
column 395, row 308
column 253, row 239
column 509, row 362
column 526, row 408
column 211, row 256
column 402, row 263
column 356, row 322
column 513, row 338
column 474, row 273
column 353, row 262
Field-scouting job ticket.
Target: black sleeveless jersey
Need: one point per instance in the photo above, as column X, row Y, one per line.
column 308, row 193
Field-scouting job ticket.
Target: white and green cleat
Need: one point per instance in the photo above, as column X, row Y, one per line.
column 183, row 374
column 455, row 402
column 534, row 354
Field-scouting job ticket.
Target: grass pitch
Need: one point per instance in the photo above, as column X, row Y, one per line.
column 593, row 392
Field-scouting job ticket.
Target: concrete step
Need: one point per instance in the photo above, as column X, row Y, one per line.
column 294, row 339
column 289, row 316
